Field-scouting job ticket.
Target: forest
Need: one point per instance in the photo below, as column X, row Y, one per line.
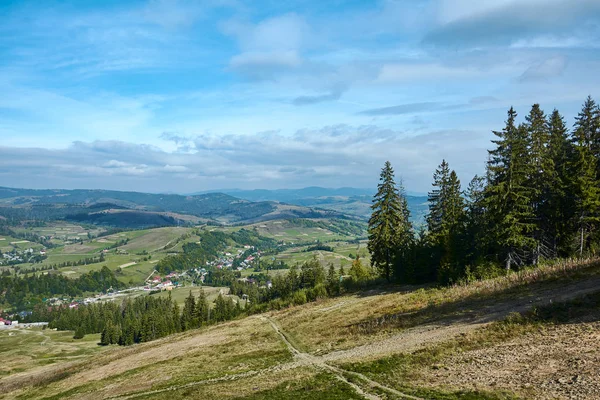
column 538, row 200
column 22, row 292
column 139, row 320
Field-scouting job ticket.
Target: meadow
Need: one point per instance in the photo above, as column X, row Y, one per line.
column 392, row 342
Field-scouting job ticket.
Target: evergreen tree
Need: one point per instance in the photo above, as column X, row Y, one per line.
column 358, row 272
column 508, row 198
column 79, row 333
column 188, row 316
column 585, row 172
column 333, row 281
column 474, row 236
column 176, row 317
column 202, row 308
column 446, row 214
column 389, row 227
column 559, row 207
column 540, row 180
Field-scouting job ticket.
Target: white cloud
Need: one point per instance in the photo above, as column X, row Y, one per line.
column 545, row 69
column 339, row 155
column 271, row 44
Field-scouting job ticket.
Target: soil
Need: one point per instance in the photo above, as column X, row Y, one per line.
column 560, row 362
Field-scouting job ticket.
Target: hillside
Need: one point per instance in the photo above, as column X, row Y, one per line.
column 347, row 200
column 528, row 335
column 145, row 209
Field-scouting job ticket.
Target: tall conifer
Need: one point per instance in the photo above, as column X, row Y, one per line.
column 389, row 227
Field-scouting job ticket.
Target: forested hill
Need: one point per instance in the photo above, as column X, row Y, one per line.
column 347, row 200
column 101, row 207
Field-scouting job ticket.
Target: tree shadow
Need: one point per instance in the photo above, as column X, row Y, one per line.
column 560, row 301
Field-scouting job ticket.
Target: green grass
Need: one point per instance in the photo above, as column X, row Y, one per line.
column 25, row 349
column 323, row 386
column 180, row 294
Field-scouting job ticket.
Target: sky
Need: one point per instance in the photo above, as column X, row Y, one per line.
column 184, row 96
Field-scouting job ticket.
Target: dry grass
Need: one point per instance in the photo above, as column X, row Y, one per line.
column 227, row 349
column 353, row 320
column 246, row 357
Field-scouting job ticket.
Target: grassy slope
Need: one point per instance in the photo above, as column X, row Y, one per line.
column 382, row 344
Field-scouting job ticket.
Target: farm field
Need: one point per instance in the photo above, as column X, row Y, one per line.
column 302, row 231
column 389, row 343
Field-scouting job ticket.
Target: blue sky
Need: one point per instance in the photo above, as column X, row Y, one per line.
column 182, row 96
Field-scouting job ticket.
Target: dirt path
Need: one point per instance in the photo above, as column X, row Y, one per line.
column 413, row 339
column 470, row 316
column 319, row 362
column 129, row 264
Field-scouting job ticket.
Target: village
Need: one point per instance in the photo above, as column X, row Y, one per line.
column 18, row 256
column 236, row 260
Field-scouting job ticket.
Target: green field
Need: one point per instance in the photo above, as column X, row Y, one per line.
column 27, row 349
column 128, row 262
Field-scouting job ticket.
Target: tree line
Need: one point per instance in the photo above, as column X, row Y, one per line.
column 23, row 292
column 538, row 200
column 146, row 318
column 139, row 320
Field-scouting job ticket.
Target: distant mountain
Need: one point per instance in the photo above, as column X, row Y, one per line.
column 101, row 206
column 288, row 195
column 346, row 200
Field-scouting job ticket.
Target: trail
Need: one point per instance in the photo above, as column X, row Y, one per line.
column 473, row 315
column 319, row 362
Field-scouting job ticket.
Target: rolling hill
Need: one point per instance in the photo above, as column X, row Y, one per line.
column 134, row 209
column 353, row 201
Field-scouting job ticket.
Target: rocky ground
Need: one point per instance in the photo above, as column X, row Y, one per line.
column 558, row 362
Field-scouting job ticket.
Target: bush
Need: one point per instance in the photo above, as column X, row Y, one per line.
column 79, row 333
column 299, row 297
column 318, row 292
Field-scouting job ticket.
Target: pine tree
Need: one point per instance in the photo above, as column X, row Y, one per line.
column 176, row 317
column 333, row 281
column 436, row 199
column 189, row 313
column 560, row 202
column 508, row 198
column 358, row 272
column 475, row 237
column 202, row 308
column 446, row 214
column 389, row 228
column 79, row 333
column 540, row 180
column 585, row 171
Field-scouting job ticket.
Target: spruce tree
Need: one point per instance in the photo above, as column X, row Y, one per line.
column 540, row 179
column 202, row 308
column 188, row 314
column 446, row 215
column 475, row 238
column 559, row 207
column 508, row 197
column 585, row 172
column 333, row 281
column 389, row 227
